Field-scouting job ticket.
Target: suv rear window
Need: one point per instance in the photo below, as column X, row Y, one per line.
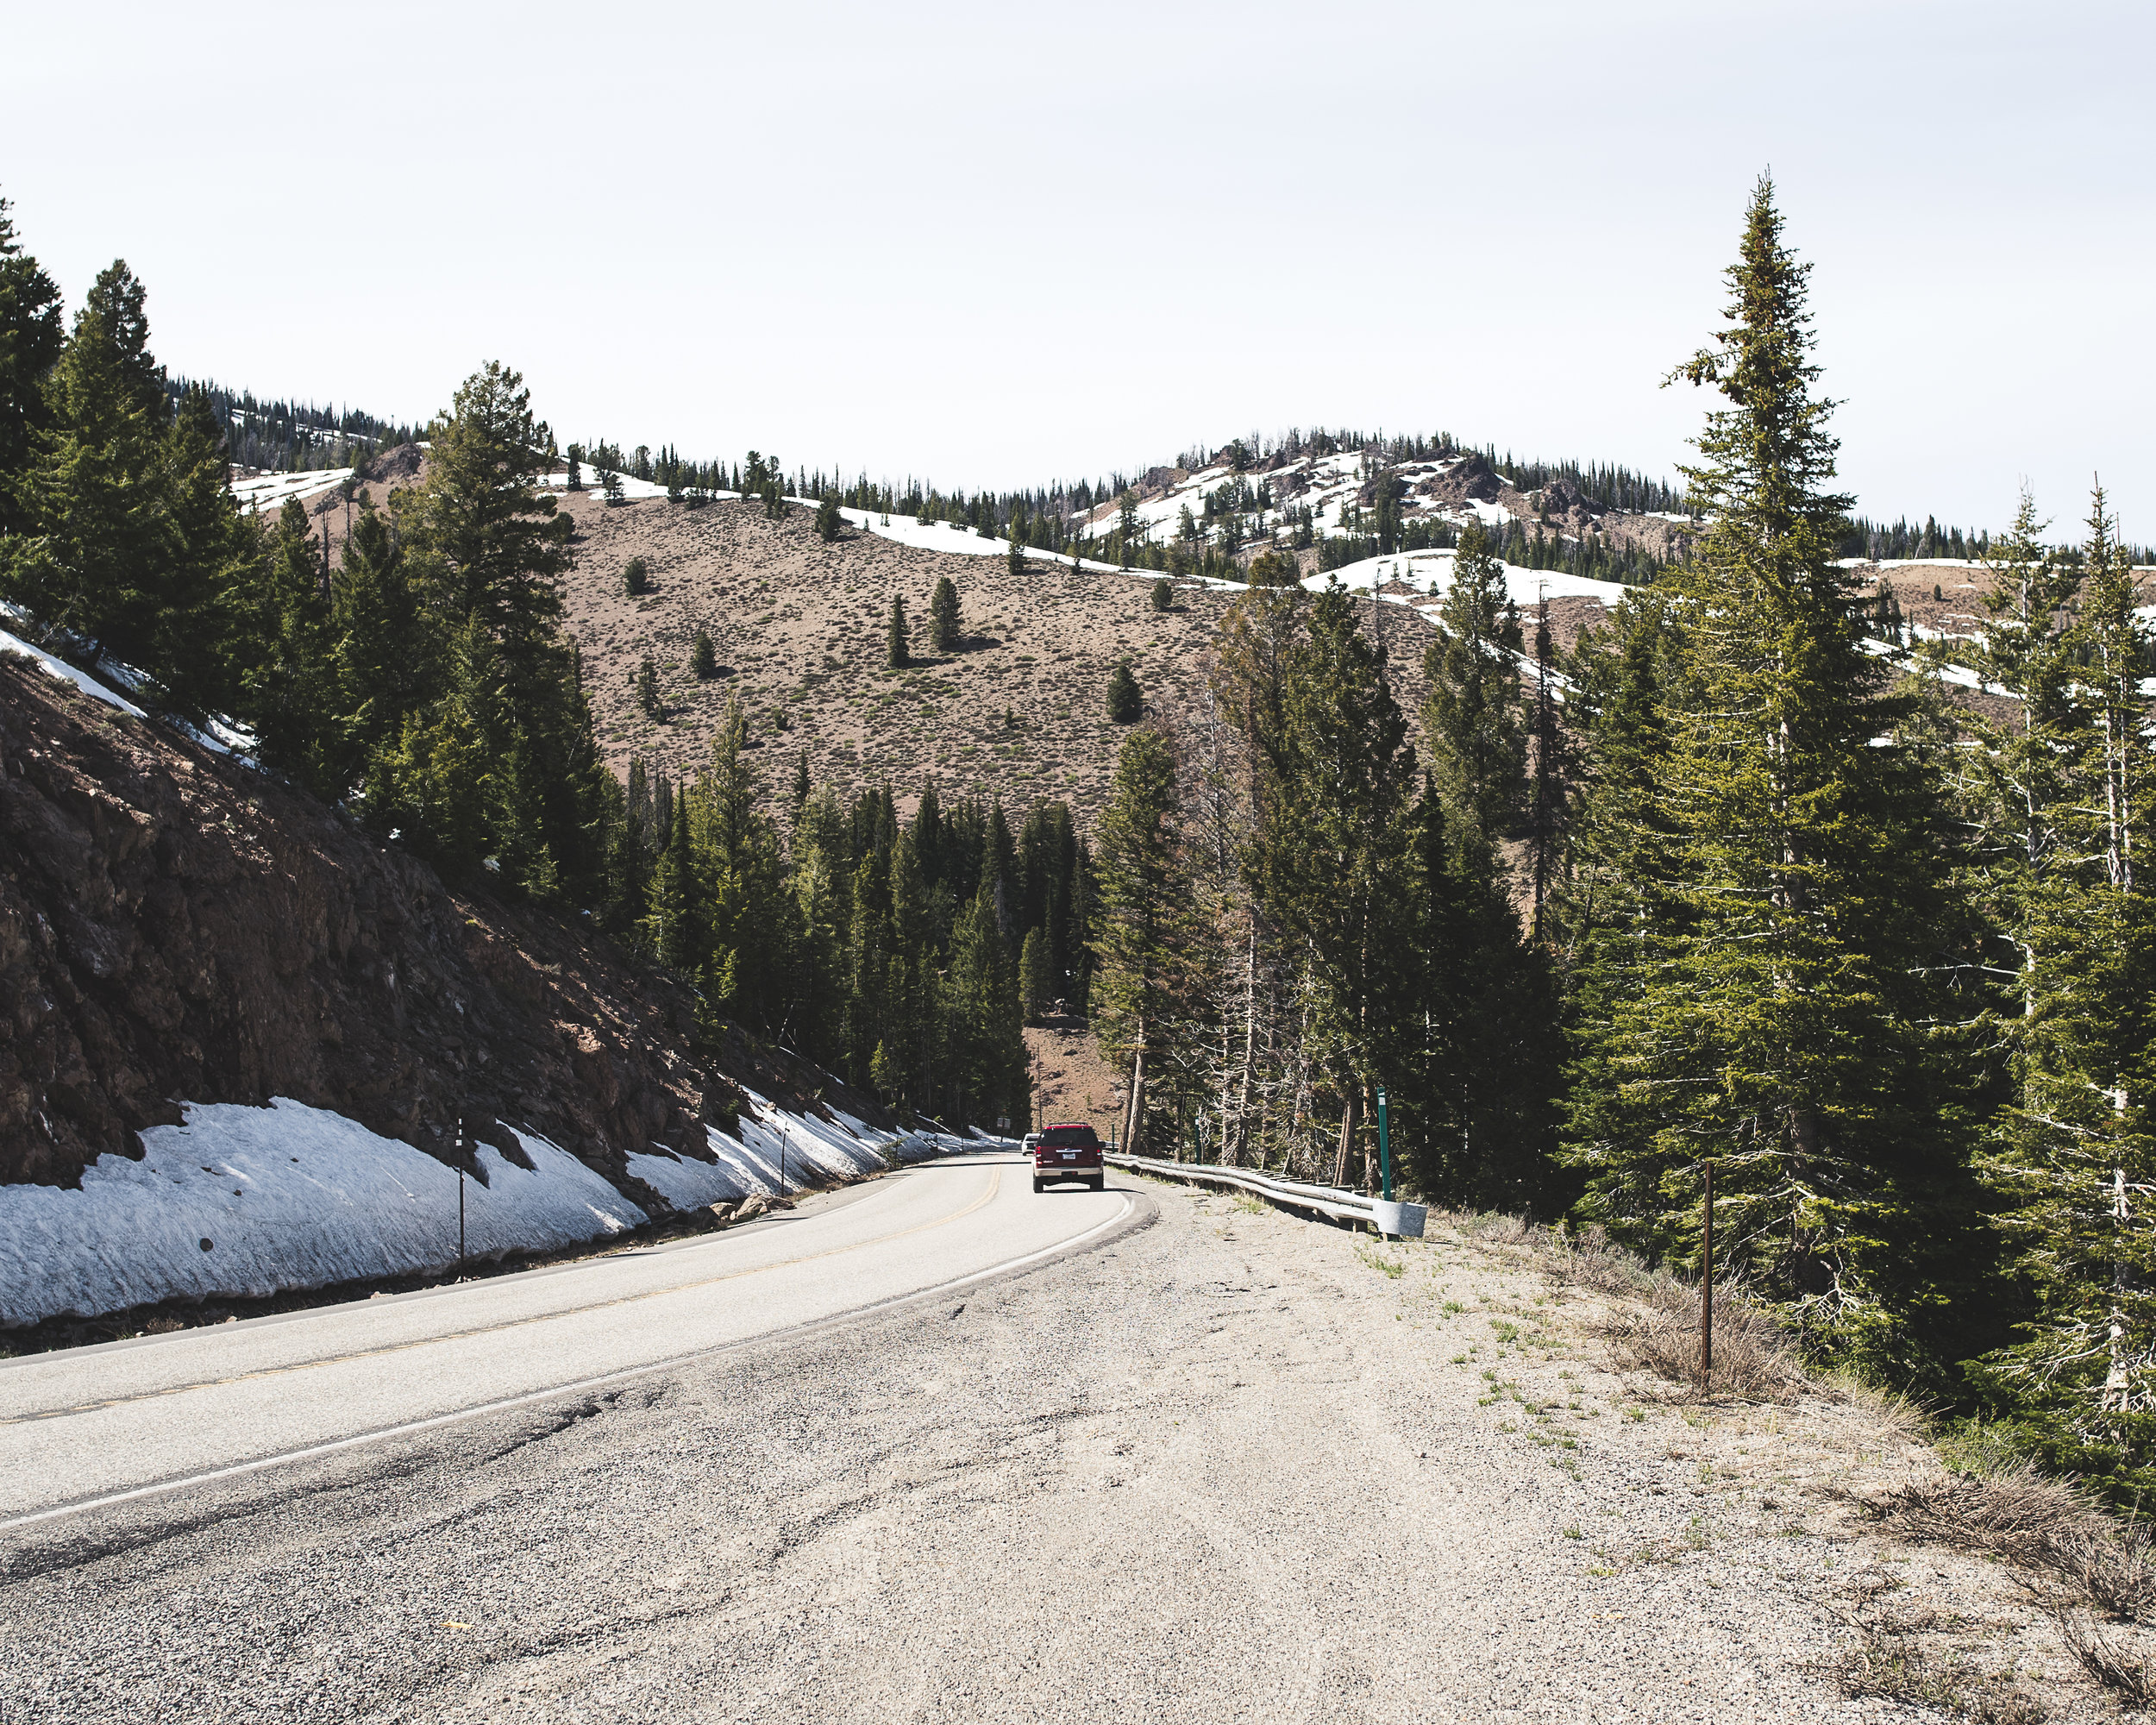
column 1062, row 1137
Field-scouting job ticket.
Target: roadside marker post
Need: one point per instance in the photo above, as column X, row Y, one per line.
column 460, row 1192
column 1384, row 1149
column 1706, row 1276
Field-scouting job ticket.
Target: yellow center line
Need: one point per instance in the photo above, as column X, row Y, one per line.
column 995, row 1183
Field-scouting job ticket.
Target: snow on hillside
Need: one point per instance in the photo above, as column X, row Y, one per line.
column 242, row 1201
column 957, row 536
column 1326, row 484
column 67, row 672
column 267, row 492
column 1431, row 572
column 633, row 490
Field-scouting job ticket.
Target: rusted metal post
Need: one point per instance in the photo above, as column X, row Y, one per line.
column 1707, row 1279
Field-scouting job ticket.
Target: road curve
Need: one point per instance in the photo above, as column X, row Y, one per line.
column 94, row 1425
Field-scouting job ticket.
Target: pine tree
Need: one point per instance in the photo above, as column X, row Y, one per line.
column 1472, row 713
column 943, row 615
column 2074, row 1152
column 648, row 700
column 1338, row 771
column 797, row 798
column 1164, row 596
column 1126, row 703
column 1144, row 919
column 1549, row 788
column 987, row 1037
column 829, row 521
column 32, row 334
column 636, row 577
column 1014, row 560
column 1783, row 1034
column 91, row 568
column 1035, row 972
column 896, row 653
column 704, row 656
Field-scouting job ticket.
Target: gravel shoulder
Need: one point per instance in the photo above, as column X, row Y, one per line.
column 1233, row 1465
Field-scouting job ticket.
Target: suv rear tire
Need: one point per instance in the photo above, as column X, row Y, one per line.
column 1036, row 1184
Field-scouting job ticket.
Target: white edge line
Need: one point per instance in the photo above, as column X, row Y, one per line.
column 569, row 1388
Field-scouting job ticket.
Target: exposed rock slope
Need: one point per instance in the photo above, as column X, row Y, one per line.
column 176, row 926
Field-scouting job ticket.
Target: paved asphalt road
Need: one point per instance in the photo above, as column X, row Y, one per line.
column 1205, row 1464
column 94, row 1424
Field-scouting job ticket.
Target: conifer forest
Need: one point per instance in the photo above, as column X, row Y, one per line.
column 1722, row 882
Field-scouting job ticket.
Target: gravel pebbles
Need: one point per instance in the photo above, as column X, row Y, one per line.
column 1232, row 1466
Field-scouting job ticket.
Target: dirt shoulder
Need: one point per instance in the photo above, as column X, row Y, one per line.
column 1235, row 1465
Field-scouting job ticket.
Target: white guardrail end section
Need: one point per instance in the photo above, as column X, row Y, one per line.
column 1400, row 1221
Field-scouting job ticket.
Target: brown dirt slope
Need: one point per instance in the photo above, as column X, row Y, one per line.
column 799, row 629
column 175, row 926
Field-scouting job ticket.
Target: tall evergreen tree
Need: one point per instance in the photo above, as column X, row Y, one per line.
column 90, row 567
column 1784, row 1033
column 32, row 333
column 2074, row 1152
column 1472, row 715
column 1339, row 770
column 1144, row 919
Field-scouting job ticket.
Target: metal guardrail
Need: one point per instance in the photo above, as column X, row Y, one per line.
column 1402, row 1221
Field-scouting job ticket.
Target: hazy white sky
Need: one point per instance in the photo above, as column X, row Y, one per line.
column 998, row 244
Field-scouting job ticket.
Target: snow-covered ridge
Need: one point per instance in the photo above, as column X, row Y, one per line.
column 1326, row 484
column 242, row 1201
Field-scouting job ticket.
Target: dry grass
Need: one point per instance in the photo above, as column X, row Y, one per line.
column 1889, row 1663
column 2016, row 1514
column 2106, row 1661
column 1654, row 1324
column 1754, row 1361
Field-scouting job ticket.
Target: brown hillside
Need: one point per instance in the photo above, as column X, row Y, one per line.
column 800, row 629
column 175, row 926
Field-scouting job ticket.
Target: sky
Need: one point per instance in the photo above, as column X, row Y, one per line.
column 1000, row 245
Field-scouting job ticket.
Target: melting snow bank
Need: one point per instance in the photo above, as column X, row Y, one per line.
column 67, row 672
column 246, row 1201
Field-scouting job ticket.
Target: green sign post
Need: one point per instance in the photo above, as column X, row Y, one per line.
column 1384, row 1148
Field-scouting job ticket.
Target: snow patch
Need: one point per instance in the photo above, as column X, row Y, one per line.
column 292, row 1196
column 258, row 492
column 1431, row 572
column 287, row 1196
column 67, row 672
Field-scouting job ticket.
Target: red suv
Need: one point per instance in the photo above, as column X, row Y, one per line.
column 1069, row 1152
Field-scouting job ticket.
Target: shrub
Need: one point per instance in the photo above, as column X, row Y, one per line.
column 636, row 577
column 943, row 615
column 1163, row 594
column 1126, row 702
column 704, row 658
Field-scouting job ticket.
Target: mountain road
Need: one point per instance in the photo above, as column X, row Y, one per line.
column 96, row 1424
column 947, row 1449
